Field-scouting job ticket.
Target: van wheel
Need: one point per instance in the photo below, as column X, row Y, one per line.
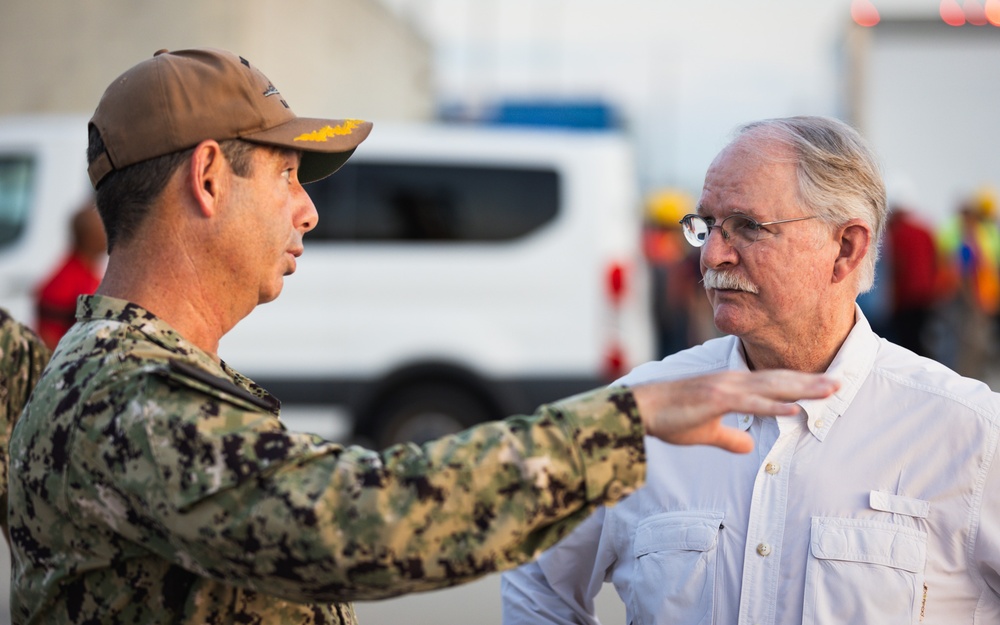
column 422, row 413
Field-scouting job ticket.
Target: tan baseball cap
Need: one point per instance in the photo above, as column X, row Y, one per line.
column 176, row 100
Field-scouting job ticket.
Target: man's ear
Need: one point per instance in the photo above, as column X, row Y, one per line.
column 854, row 238
column 208, row 176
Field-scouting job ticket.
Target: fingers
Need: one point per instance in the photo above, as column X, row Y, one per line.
column 736, row 441
column 789, row 385
column 768, row 392
column 689, row 411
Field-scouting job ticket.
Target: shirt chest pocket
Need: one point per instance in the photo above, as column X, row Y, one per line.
column 863, row 571
column 676, row 557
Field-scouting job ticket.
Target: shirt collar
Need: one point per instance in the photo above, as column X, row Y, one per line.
column 851, row 367
column 101, row 308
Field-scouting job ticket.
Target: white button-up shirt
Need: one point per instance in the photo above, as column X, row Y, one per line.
column 879, row 505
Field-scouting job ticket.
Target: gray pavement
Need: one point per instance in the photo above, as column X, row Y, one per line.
column 478, row 603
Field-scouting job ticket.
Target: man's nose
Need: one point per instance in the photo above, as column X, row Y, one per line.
column 308, row 215
column 718, row 249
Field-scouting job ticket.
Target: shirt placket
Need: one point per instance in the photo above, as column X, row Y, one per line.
column 766, row 528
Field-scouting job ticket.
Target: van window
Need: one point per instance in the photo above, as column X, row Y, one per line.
column 16, row 174
column 380, row 202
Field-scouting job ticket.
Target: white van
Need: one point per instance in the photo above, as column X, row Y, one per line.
column 43, row 180
column 457, row 274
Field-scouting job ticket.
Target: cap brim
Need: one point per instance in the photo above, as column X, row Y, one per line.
column 318, row 165
column 326, row 144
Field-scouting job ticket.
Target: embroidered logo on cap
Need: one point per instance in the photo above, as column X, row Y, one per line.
column 326, row 132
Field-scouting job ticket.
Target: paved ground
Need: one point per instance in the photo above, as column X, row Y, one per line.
column 478, row 603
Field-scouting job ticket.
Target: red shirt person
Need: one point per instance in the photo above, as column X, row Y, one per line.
column 913, row 257
column 78, row 274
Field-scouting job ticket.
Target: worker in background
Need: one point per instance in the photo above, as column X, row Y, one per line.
column 969, row 245
column 678, row 309
column 78, row 274
column 911, row 255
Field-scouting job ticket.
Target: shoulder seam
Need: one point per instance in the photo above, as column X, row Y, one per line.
column 990, row 415
column 179, row 366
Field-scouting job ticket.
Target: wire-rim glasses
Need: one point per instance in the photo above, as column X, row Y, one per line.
column 739, row 230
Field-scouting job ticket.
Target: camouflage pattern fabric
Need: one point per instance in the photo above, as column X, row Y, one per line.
column 22, row 357
column 152, row 484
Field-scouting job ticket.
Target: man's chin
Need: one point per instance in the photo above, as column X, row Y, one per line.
column 271, row 294
column 728, row 319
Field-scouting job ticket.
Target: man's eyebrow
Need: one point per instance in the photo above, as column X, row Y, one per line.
column 290, row 154
column 700, row 210
column 285, row 154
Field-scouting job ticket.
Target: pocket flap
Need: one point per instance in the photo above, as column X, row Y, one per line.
column 688, row 531
column 858, row 540
column 887, row 502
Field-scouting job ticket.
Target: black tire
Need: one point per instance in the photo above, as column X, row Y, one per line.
column 419, row 413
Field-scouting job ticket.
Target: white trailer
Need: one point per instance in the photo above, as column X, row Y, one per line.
column 927, row 95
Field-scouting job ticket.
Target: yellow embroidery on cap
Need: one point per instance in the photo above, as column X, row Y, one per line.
column 326, row 132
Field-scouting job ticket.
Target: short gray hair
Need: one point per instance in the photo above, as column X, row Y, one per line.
column 838, row 174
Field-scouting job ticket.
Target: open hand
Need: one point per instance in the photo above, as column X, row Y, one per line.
column 689, row 411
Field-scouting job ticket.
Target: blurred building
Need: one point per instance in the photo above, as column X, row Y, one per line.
column 351, row 58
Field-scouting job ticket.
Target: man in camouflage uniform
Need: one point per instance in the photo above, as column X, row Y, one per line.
column 151, row 483
column 23, row 355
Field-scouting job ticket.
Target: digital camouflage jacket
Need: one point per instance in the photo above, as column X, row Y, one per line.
column 22, row 357
column 152, row 484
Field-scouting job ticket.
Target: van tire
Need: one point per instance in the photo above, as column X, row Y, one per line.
column 424, row 412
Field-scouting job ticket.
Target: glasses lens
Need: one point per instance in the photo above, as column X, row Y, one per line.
column 742, row 230
column 695, row 230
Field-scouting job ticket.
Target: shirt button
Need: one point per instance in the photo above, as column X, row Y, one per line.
column 820, row 423
column 746, row 419
column 764, row 549
column 772, row 467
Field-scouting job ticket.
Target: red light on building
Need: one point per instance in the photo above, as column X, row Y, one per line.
column 952, row 13
column 864, row 13
column 992, row 12
column 974, row 12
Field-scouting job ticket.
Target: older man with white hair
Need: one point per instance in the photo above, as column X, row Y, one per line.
column 878, row 505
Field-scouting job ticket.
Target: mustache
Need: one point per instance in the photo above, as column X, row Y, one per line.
column 724, row 280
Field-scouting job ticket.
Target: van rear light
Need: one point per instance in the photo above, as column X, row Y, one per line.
column 614, row 363
column 617, row 283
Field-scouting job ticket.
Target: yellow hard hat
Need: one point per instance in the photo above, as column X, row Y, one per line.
column 666, row 207
column 984, row 200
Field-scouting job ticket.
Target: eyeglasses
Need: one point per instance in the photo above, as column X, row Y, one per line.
column 741, row 231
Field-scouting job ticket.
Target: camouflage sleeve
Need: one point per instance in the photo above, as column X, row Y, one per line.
column 23, row 356
column 218, row 486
